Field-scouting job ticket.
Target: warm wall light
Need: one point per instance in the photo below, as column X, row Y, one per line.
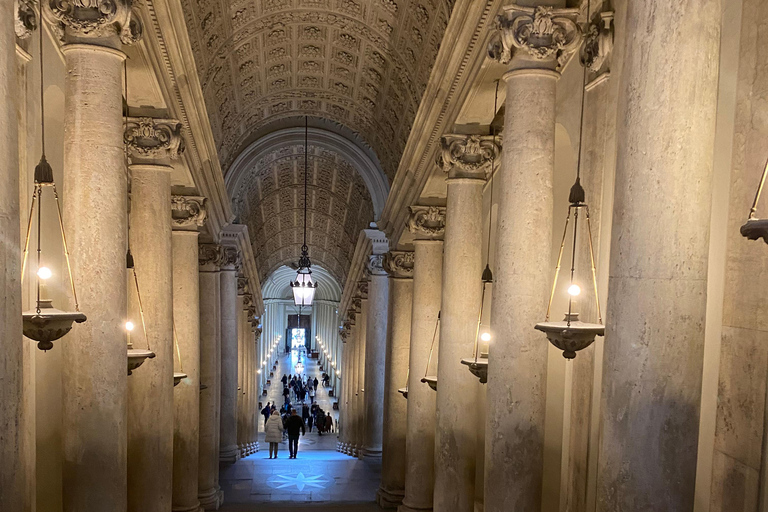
column 574, row 290
column 486, row 336
column 44, row 273
column 129, row 326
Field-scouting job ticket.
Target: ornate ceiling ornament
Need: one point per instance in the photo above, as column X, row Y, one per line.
column 427, row 222
column 151, row 138
column 468, row 155
column 543, row 32
column 598, row 42
column 209, row 254
column 26, row 19
column 95, row 18
column 376, row 265
column 188, row 211
column 399, row 264
column 230, row 257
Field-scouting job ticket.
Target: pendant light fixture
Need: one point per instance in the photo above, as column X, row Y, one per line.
column 431, row 379
column 178, row 376
column 756, row 228
column 571, row 335
column 478, row 364
column 303, row 287
column 45, row 324
column 404, row 391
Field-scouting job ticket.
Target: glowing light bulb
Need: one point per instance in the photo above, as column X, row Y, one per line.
column 258, row 371
column 129, row 326
column 574, row 290
column 44, row 273
column 486, row 336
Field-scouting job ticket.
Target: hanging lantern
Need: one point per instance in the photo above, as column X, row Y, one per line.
column 756, row 228
column 178, row 376
column 46, row 324
column 571, row 335
column 404, row 391
column 136, row 356
column 431, row 379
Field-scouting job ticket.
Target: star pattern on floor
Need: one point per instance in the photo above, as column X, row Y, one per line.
column 300, row 481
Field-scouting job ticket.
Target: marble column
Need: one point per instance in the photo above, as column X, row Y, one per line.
column 375, row 356
column 467, row 160
column 654, row 347
column 399, row 266
column 94, row 380
column 517, row 376
column 12, row 468
column 209, row 492
column 150, row 422
column 427, row 224
column 229, row 320
column 186, row 395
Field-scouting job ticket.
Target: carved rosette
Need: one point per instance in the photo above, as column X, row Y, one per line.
column 598, row 42
column 209, row 254
column 152, row 139
column 26, row 18
column 427, row 222
column 95, row 18
column 469, row 156
column 188, row 211
column 542, row 32
column 230, row 257
column 376, row 265
column 399, row 264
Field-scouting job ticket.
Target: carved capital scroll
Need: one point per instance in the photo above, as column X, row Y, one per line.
column 427, row 222
column 188, row 211
column 399, row 264
column 151, row 138
column 468, row 155
column 94, row 18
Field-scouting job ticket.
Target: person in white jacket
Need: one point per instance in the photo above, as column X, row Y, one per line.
column 273, row 431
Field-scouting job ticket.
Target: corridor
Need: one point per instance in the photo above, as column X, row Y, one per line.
column 320, row 477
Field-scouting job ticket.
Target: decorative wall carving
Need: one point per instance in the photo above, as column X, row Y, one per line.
column 399, row 263
column 468, row 155
column 209, row 254
column 543, row 32
column 26, row 18
column 362, row 288
column 242, row 285
column 375, row 265
column 427, row 221
column 230, row 257
column 151, row 138
column 598, row 42
column 188, row 211
column 94, row 18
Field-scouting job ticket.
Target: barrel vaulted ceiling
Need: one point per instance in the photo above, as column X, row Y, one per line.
column 360, row 65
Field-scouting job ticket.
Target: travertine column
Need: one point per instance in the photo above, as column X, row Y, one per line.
column 343, row 396
column 94, row 385
column 375, row 355
column 399, row 265
column 12, row 481
column 186, row 395
column 518, row 357
column 242, row 328
column 229, row 319
column 209, row 492
column 427, row 223
column 654, row 343
column 150, row 422
column 362, row 332
column 467, row 160
column 354, row 373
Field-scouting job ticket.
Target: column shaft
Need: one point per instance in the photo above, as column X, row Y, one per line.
column 241, row 377
column 150, row 388
column 209, row 492
column 518, row 361
column 392, row 487
column 375, row 359
column 12, row 484
column 186, row 395
column 362, row 332
column 420, row 438
column 456, row 436
column 654, row 347
column 94, row 386
column 229, row 322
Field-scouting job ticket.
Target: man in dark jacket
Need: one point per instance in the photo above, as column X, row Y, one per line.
column 315, row 383
column 266, row 412
column 293, row 425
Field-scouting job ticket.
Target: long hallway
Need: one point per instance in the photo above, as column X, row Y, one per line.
column 319, row 476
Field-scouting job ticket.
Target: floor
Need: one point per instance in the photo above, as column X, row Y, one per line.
column 319, row 479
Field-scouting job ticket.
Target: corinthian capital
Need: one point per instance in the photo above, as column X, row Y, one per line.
column 362, row 288
column 26, row 20
column 427, row 222
column 188, row 211
column 399, row 264
column 468, row 156
column 598, row 42
column 542, row 32
column 209, row 254
column 95, row 19
column 230, row 257
column 376, row 265
column 242, row 285
column 149, row 138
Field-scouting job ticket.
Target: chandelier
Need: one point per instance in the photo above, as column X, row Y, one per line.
column 303, row 287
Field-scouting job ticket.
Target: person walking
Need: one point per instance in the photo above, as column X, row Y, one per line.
column 329, row 423
column 273, row 433
column 315, row 383
column 312, row 395
column 293, row 425
column 266, row 412
column 284, row 380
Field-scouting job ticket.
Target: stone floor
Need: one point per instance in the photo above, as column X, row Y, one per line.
column 320, row 479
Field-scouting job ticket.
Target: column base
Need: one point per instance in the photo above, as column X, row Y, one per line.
column 405, row 508
column 389, row 499
column 229, row 455
column 211, row 499
column 371, row 453
column 193, row 508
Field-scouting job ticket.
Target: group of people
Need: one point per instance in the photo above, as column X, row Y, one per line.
column 301, row 389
